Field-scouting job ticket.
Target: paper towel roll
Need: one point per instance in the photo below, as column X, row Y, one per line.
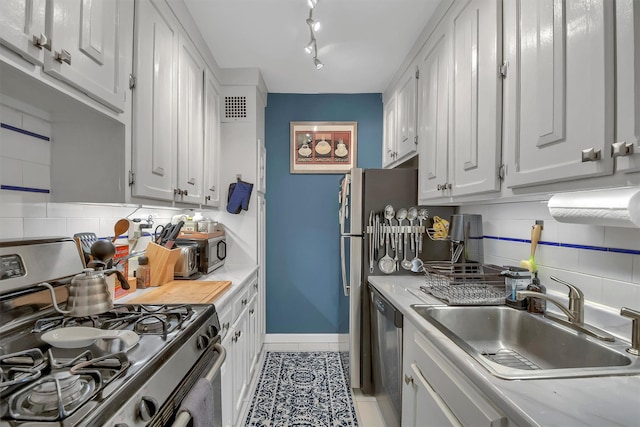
column 614, row 207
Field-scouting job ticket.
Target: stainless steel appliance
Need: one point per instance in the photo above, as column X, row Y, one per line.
column 386, row 346
column 364, row 191
column 186, row 266
column 211, row 252
column 102, row 382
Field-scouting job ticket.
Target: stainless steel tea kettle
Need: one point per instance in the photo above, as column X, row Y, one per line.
column 88, row 294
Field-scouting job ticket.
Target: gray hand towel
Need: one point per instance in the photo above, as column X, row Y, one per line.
column 199, row 403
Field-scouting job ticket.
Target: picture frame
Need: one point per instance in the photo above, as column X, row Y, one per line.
column 323, row 147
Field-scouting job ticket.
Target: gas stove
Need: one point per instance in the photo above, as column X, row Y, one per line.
column 103, row 382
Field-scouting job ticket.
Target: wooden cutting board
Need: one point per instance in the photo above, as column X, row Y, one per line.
column 184, row 291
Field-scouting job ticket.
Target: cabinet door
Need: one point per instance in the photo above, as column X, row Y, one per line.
column 475, row 134
column 154, row 102
column 406, row 142
column 20, row 22
column 226, row 377
column 433, row 114
column 628, row 85
column 262, row 272
column 190, row 122
column 262, row 167
column 87, row 47
column 241, row 364
column 211, row 141
column 389, row 141
column 559, row 99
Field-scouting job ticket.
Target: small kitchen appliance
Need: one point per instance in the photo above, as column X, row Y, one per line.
column 186, row 266
column 106, row 378
column 211, row 251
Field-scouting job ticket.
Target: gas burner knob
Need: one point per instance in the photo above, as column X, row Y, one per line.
column 147, row 408
column 212, row 331
column 202, row 342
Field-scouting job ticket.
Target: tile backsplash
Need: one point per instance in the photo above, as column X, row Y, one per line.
column 604, row 262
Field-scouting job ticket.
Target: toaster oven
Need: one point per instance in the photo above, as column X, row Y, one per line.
column 210, row 252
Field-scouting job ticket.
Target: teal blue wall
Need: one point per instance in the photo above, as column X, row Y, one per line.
column 304, row 291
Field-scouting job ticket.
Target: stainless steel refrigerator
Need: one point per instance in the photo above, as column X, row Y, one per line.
column 364, row 191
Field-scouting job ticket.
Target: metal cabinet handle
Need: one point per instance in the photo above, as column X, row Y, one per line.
column 591, row 155
column 177, row 191
column 408, row 379
column 213, row 188
column 244, row 301
column 620, row 149
column 251, row 311
column 208, row 198
column 62, row 56
column 185, row 193
column 42, row 42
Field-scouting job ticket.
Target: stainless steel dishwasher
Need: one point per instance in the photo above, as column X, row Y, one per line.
column 386, row 350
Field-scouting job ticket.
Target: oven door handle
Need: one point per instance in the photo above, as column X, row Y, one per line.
column 183, row 418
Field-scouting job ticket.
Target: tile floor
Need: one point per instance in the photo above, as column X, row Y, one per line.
column 366, row 406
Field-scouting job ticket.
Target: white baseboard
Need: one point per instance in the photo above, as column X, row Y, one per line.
column 305, row 338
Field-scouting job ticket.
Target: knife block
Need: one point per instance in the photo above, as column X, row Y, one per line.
column 162, row 262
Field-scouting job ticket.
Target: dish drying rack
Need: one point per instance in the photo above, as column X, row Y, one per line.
column 465, row 283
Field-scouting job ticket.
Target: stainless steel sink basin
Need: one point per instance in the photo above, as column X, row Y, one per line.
column 515, row 344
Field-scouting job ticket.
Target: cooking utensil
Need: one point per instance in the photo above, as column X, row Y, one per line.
column 423, row 215
column 88, row 294
column 372, row 239
column 121, row 227
column 401, row 215
column 530, row 264
column 412, row 214
column 83, row 336
column 84, row 242
column 386, row 263
column 171, row 239
column 389, row 214
column 406, row 264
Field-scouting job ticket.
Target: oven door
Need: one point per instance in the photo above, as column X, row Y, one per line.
column 208, row 366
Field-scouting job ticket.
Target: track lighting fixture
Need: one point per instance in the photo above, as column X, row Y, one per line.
column 312, row 47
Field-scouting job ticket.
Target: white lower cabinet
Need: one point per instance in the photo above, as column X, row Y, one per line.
column 239, row 324
column 435, row 393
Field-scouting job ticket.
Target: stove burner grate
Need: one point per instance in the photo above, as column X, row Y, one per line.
column 21, row 367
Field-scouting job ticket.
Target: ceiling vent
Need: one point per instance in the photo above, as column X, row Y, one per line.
column 235, row 108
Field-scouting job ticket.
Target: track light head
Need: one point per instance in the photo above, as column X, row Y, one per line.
column 313, row 24
column 312, row 3
column 317, row 63
column 310, row 47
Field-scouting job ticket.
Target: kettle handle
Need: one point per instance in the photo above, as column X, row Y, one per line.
column 119, row 275
column 53, row 298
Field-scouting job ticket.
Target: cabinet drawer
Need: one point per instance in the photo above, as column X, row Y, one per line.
column 240, row 303
column 462, row 397
column 226, row 320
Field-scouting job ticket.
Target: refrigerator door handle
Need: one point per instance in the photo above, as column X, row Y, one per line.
column 343, row 264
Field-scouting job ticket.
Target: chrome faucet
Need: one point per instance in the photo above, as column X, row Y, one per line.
column 574, row 311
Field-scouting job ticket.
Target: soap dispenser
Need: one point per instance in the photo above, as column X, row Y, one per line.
column 536, row 305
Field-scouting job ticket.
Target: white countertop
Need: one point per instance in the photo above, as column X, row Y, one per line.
column 596, row 401
column 238, row 274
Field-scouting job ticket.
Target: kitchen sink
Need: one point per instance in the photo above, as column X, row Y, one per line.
column 514, row 344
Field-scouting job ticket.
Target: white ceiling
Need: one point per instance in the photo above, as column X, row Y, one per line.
column 362, row 42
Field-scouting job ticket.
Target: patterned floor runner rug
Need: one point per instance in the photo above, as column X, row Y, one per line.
column 303, row 389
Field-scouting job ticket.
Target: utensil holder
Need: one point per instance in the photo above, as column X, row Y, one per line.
column 162, row 262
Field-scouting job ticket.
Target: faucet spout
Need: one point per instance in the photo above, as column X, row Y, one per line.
column 570, row 315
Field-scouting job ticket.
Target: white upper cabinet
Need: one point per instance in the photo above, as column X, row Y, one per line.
column 627, row 142
column 460, row 105
column 87, row 50
column 559, row 98
column 476, row 98
column 389, row 129
column 22, row 28
column 400, row 140
column 211, row 141
column 82, row 43
column 433, row 114
column 190, row 123
column 155, row 102
column 406, row 140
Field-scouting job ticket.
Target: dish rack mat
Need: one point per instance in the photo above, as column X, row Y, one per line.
column 465, row 283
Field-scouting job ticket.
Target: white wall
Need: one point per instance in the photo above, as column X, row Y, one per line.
column 596, row 261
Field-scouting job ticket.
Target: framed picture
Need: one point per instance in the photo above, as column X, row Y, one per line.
column 323, row 147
